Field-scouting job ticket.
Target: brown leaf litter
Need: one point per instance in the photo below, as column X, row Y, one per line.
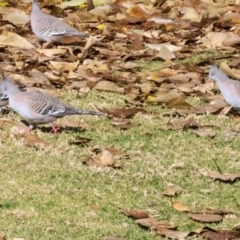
column 105, row 157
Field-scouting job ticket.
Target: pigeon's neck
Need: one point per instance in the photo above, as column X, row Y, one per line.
column 35, row 7
column 13, row 90
column 220, row 76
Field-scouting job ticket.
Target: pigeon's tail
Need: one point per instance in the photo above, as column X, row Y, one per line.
column 86, row 112
column 217, row 75
column 69, row 110
column 83, row 35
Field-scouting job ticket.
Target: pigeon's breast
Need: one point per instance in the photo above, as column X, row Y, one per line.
column 230, row 93
column 20, row 104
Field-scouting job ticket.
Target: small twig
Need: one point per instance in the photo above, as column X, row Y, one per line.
column 218, row 168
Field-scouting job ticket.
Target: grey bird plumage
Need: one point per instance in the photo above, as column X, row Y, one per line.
column 3, row 99
column 49, row 28
column 229, row 88
column 37, row 107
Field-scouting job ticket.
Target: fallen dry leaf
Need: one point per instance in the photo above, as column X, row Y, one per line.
column 104, row 158
column 4, row 122
column 109, row 86
column 120, row 112
column 170, row 234
column 180, row 207
column 209, row 218
column 97, row 67
column 145, row 87
column 223, row 177
column 204, row 132
column 14, row 15
column 159, row 46
column 14, row 40
column 225, row 68
column 123, row 124
column 33, row 140
column 18, row 128
column 80, row 141
column 213, row 234
column 170, row 192
column 212, row 211
column 114, row 151
column 219, row 39
column 64, row 66
column 163, row 96
column 183, row 124
column 178, row 103
column 52, row 51
column 161, row 75
column 136, row 214
column 153, row 224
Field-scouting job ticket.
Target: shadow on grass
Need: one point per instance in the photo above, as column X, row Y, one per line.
column 48, row 129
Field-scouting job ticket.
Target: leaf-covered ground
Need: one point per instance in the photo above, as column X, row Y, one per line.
column 165, row 160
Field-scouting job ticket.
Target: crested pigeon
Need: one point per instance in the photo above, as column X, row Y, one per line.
column 37, row 107
column 49, row 28
column 229, row 88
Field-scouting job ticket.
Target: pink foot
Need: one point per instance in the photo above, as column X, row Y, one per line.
column 55, row 130
column 29, row 129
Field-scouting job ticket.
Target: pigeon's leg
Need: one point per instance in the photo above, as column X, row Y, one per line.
column 29, row 128
column 55, row 130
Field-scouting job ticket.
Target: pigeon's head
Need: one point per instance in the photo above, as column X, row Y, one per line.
column 213, row 72
column 216, row 74
column 8, row 87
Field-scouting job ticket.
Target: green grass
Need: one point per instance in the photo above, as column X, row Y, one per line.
column 49, row 193
column 198, row 57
